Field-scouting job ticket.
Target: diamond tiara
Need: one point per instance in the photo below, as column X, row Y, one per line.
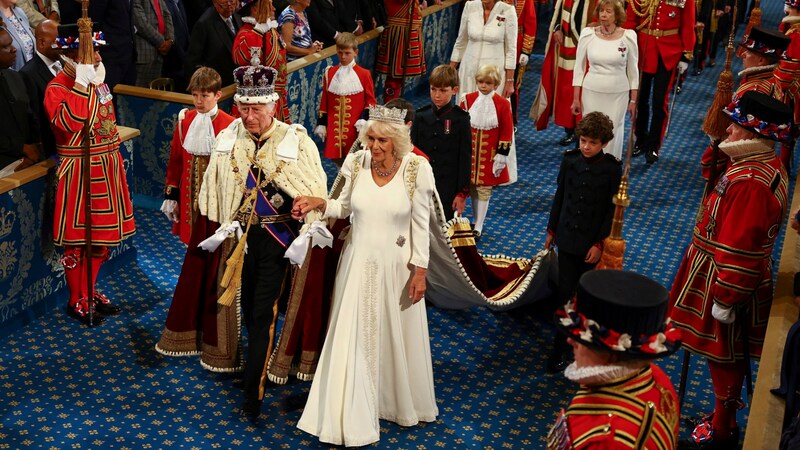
column 384, row 114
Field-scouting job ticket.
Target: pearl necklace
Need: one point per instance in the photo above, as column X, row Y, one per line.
column 603, row 32
column 385, row 174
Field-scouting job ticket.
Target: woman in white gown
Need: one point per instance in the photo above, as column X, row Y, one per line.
column 611, row 83
column 487, row 35
column 376, row 360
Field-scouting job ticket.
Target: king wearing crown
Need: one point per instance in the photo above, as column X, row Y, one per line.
column 258, row 166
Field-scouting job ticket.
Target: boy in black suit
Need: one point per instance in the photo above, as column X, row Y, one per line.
column 442, row 131
column 580, row 218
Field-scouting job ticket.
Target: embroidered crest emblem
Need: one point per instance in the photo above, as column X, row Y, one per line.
column 401, row 241
column 501, row 21
column 276, row 200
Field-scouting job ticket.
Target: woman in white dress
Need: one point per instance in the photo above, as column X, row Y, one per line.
column 487, row 35
column 611, row 83
column 376, row 360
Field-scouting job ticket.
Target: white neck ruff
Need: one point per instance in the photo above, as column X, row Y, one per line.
column 758, row 69
column 482, row 113
column 345, row 81
column 200, row 135
column 746, row 147
column 594, row 375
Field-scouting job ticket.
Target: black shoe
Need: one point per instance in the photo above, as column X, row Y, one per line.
column 104, row 306
column 81, row 316
column 251, row 407
column 712, row 62
column 697, row 71
column 678, row 89
column 569, row 139
column 731, row 443
column 638, row 150
column 651, row 156
column 476, row 235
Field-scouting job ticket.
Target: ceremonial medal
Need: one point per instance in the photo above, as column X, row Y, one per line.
column 103, row 93
column 276, row 200
column 446, row 126
column 672, row 14
column 401, row 240
column 722, row 184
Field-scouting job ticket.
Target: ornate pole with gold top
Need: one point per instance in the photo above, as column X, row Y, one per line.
column 86, row 56
column 614, row 244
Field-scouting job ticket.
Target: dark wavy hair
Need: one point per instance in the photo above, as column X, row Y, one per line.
column 596, row 125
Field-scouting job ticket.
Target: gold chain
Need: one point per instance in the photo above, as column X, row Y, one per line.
column 251, row 193
column 644, row 8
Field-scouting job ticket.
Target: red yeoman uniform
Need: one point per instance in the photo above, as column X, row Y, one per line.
column 488, row 142
column 271, row 54
column 400, row 51
column 185, row 171
column 344, row 101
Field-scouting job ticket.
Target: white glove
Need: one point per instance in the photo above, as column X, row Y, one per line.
column 724, row 315
column 321, row 132
column 85, row 74
column 168, row 208
column 682, row 66
column 360, row 124
column 523, row 59
column 100, row 78
column 499, row 164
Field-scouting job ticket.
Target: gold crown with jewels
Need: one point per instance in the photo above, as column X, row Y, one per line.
column 384, row 114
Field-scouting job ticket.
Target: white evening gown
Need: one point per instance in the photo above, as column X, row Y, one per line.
column 376, row 360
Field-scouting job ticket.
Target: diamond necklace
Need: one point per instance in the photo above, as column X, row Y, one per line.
column 385, row 174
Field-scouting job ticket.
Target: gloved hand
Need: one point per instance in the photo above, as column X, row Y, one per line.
column 723, row 314
column 523, row 59
column 170, row 209
column 321, row 132
column 499, row 164
column 682, row 66
column 100, row 78
column 85, row 74
column 360, row 124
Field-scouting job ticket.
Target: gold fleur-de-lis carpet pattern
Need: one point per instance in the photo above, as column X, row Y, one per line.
column 63, row 386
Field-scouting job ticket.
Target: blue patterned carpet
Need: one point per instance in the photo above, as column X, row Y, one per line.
column 63, row 386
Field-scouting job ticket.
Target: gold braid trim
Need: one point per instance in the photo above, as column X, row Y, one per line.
column 646, row 9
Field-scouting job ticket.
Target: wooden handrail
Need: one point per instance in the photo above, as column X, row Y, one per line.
column 41, row 168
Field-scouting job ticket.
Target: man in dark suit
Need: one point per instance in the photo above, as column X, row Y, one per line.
column 173, row 62
column 328, row 18
column 19, row 132
column 211, row 42
column 44, row 65
column 119, row 54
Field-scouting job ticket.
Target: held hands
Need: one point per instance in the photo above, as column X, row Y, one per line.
column 593, row 255
column 575, row 109
column 459, row 203
column 416, row 289
column 170, row 209
column 682, row 67
column 302, row 205
column 321, row 131
column 499, row 164
column 723, row 314
column 559, row 37
column 164, row 48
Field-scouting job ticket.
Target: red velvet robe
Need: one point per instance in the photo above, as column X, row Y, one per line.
column 112, row 211
column 185, row 172
column 486, row 143
column 343, row 111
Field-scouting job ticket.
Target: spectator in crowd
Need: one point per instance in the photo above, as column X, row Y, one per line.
column 211, row 43
column 116, row 18
column 554, row 96
column 347, row 93
column 173, row 61
column 43, row 67
column 616, row 327
column 492, row 132
column 611, row 83
column 194, row 10
column 154, row 38
column 18, row 27
column 373, row 13
column 487, row 35
column 376, row 360
column 258, row 42
column 39, row 10
column 264, row 210
column 19, row 131
column 442, row 131
column 296, row 32
column 329, row 18
column 580, row 217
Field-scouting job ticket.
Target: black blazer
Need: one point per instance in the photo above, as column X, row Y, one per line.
column 37, row 75
column 116, row 22
column 326, row 17
column 211, row 45
column 18, row 125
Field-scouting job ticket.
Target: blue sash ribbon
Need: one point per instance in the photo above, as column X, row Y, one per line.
column 280, row 231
